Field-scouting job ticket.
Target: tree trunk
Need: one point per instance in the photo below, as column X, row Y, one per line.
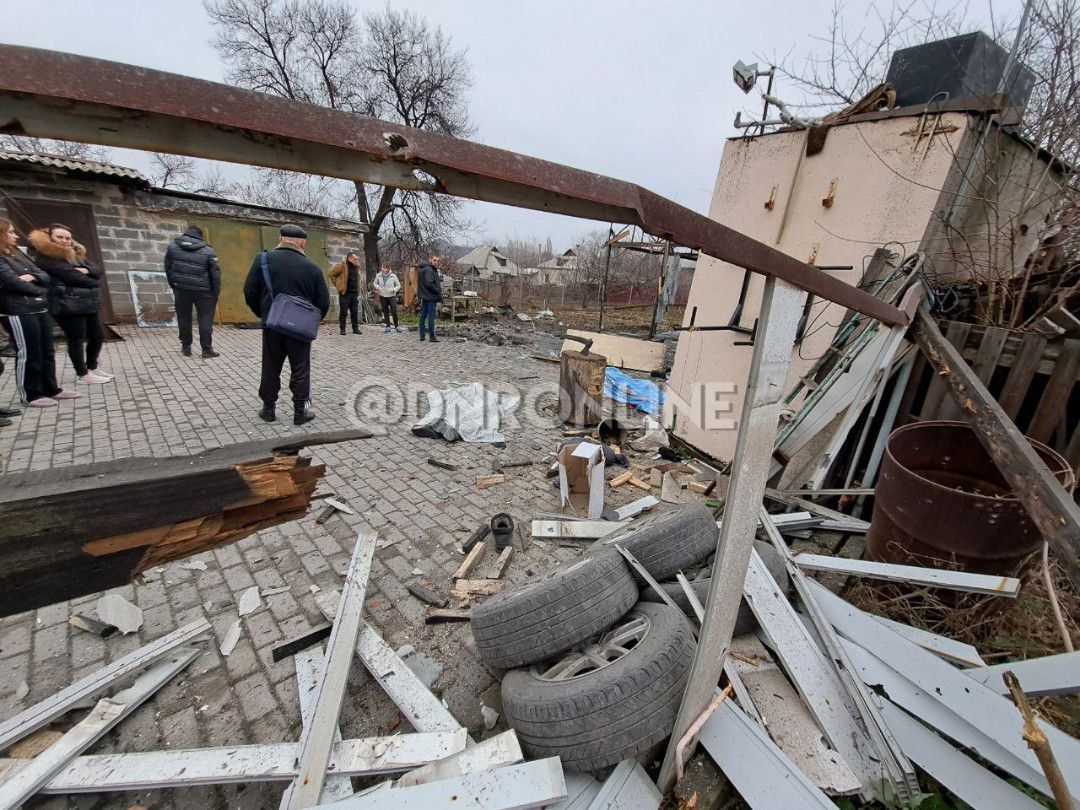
column 371, row 255
column 581, row 388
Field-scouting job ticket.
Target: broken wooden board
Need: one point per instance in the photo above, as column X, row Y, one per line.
column 441, row 615
column 71, row 531
column 485, row 481
column 471, row 561
column 621, row 352
column 467, row 588
column 497, row 567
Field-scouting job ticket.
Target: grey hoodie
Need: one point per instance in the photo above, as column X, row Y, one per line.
column 387, row 286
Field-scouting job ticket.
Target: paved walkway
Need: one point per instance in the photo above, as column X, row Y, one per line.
column 164, row 404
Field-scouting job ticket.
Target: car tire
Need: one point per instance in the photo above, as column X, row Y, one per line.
column 668, row 542
column 598, row 718
column 553, row 612
column 744, row 619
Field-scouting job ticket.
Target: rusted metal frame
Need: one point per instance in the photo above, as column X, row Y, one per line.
column 51, row 94
column 762, row 404
column 1050, row 506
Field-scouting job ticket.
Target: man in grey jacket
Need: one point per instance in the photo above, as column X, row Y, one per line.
column 193, row 272
column 387, row 286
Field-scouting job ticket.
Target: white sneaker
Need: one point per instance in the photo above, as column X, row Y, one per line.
column 100, row 372
column 93, row 379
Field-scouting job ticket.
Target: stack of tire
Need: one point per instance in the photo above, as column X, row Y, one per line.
column 597, row 667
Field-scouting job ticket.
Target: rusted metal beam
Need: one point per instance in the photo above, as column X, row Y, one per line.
column 1050, row 506
column 60, row 95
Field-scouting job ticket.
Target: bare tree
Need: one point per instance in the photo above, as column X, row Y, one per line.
column 389, row 65
column 172, row 171
column 306, row 193
column 526, row 252
column 67, row 149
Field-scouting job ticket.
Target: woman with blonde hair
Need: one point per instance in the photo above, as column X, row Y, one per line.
column 24, row 291
column 73, row 297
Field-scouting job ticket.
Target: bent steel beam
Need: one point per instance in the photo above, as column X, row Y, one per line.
column 59, row 95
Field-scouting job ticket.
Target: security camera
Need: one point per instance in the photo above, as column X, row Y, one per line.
column 745, row 76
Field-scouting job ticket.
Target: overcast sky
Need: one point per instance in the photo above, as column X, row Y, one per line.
column 638, row 90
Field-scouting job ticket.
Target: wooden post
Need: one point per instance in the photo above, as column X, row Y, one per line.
column 781, row 306
column 1047, row 502
column 581, row 388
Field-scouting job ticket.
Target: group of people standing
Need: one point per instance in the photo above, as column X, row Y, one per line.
column 51, row 281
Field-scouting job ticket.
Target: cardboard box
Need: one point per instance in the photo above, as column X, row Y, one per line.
column 581, row 479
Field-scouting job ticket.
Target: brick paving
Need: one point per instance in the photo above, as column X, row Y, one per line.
column 162, row 403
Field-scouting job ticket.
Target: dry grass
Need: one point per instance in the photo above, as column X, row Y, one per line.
column 1000, row 629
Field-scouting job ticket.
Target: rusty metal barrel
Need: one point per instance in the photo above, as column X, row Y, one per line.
column 940, row 498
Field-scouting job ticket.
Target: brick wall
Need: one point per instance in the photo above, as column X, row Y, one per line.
column 135, row 227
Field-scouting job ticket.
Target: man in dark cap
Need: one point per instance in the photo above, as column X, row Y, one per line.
column 193, row 273
column 290, row 273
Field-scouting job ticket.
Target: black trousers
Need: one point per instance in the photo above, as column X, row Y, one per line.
column 349, row 304
column 35, row 365
column 275, row 348
column 205, row 304
column 84, row 338
column 389, row 307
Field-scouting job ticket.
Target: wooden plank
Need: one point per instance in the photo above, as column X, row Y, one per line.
column 1051, row 508
column 1052, row 405
column 72, row 531
column 317, row 736
column 291, row 646
column 438, row 615
column 471, row 561
column 1020, row 376
column 619, row 480
column 485, row 481
column 621, row 352
column 426, row 595
column 956, row 333
column 989, row 352
column 780, row 308
column 468, row 588
column 498, row 566
column 989, row 584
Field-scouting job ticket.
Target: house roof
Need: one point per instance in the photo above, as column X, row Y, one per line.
column 489, row 261
column 566, row 261
column 92, row 168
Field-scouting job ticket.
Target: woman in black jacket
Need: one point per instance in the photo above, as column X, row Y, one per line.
column 73, row 297
column 24, row 293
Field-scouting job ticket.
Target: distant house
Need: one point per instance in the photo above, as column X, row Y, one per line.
column 558, row 270
column 486, row 263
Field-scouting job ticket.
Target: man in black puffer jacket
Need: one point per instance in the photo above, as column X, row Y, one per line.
column 192, row 268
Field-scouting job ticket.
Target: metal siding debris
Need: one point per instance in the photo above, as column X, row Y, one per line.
column 956, row 652
column 106, row 714
column 317, row 737
column 1039, row 677
column 758, row 769
column 114, row 609
column 931, row 577
column 502, row 749
column 309, row 666
column 43, row 713
column 628, row 788
column 576, row 529
column 515, row 787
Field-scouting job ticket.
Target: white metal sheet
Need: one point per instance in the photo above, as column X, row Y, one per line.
column 932, row 577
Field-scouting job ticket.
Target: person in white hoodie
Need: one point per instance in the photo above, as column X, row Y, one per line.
column 387, row 286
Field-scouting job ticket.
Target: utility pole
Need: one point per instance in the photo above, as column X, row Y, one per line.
column 603, row 281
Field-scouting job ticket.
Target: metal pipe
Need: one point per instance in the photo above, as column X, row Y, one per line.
column 61, row 95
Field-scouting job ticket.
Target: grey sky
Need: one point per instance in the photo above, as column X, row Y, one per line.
column 638, row 90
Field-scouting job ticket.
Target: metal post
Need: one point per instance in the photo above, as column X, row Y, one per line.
column 603, row 281
column 659, row 290
column 780, row 308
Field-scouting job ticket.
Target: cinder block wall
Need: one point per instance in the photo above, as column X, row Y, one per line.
column 134, row 227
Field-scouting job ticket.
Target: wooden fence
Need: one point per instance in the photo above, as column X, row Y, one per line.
column 1033, row 379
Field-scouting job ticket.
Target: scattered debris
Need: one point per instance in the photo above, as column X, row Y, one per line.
column 581, row 479
column 194, row 565
column 497, row 567
column 116, row 610
column 576, row 529
column 232, row 636
column 33, row 745
column 485, row 481
column 341, row 507
column 292, row 646
column 249, row 601
column 469, row 413
column 468, row 588
column 442, row 465
column 426, row 595
column 469, row 564
column 440, row 615
column 426, row 669
column 491, row 717
column 325, row 514
column 635, row 508
column 21, row 691
column 621, row 479
column 92, row 625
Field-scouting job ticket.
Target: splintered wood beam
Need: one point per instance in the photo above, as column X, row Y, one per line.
column 73, row 531
column 1049, row 505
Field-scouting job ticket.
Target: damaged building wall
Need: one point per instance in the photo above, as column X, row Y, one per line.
column 135, row 225
column 868, row 186
column 888, row 181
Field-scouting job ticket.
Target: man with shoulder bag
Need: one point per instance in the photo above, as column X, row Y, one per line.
column 288, row 294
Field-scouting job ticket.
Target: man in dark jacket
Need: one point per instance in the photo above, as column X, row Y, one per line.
column 290, row 273
column 429, row 287
column 192, row 268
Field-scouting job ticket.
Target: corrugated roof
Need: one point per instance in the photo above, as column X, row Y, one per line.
column 91, row 167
